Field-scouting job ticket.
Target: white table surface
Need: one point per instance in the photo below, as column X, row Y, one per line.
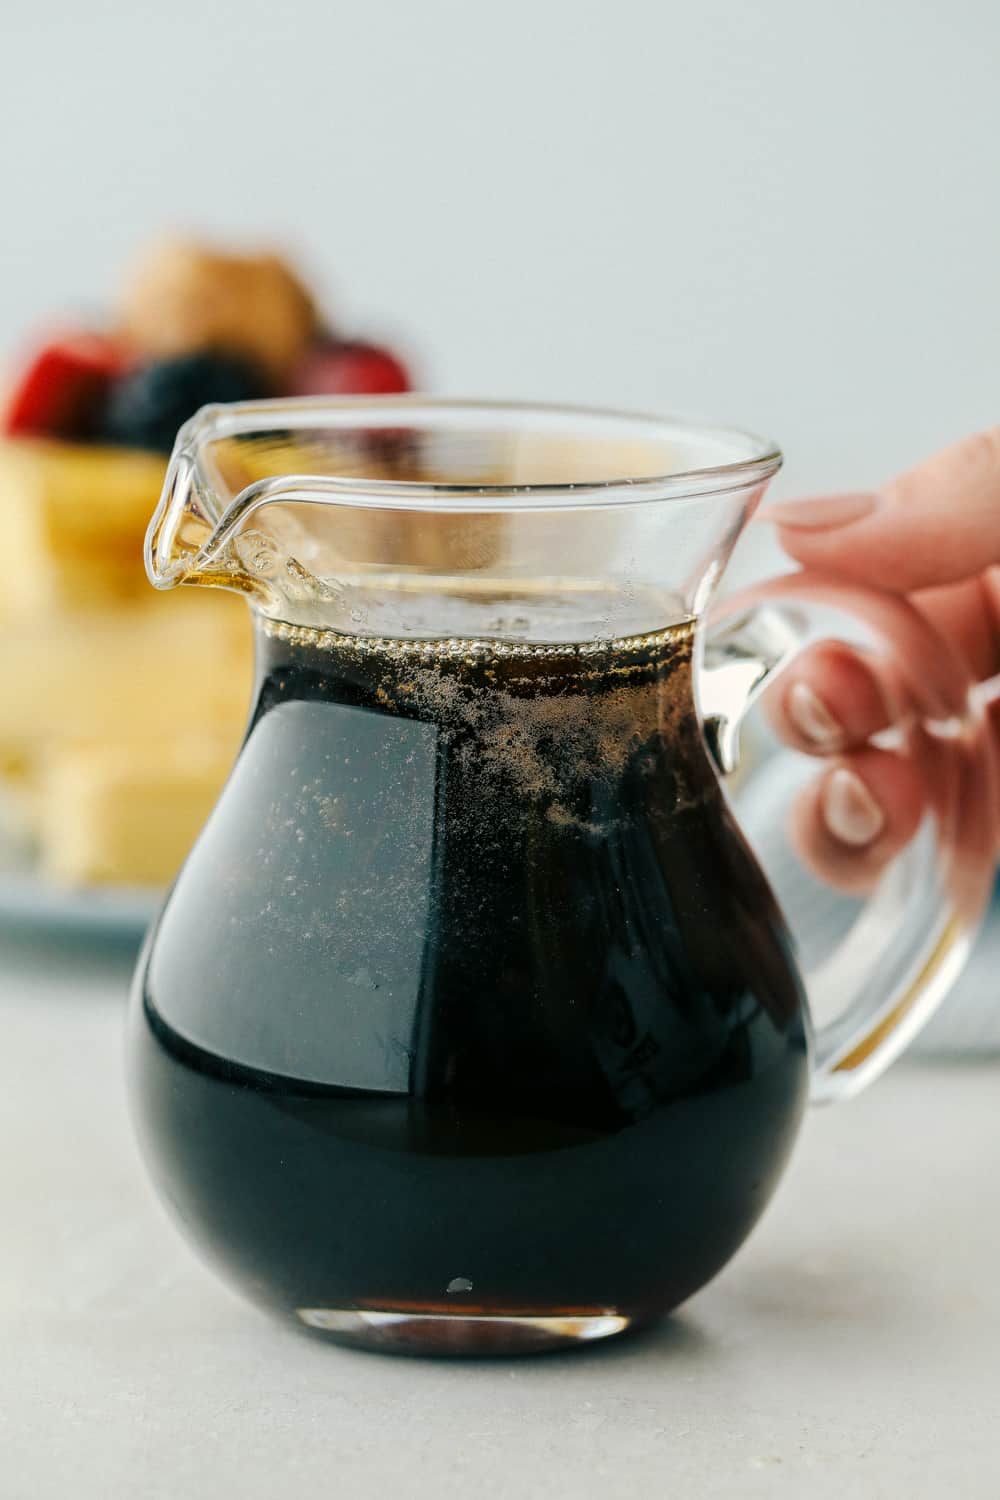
column 851, row 1350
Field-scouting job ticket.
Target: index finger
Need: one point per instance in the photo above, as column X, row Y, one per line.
column 936, row 524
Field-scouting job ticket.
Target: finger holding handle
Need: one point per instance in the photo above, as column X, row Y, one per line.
column 937, row 780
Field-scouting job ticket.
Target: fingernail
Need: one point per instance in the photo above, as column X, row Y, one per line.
column 812, row 718
column 850, row 811
column 825, row 514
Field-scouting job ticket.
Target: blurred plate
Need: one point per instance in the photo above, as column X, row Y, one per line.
column 119, row 912
column 30, row 902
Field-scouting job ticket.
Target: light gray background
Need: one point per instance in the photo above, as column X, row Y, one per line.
column 783, row 213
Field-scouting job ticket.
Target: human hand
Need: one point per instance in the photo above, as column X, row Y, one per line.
column 934, row 536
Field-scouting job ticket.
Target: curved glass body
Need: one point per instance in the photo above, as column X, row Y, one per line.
column 470, row 1023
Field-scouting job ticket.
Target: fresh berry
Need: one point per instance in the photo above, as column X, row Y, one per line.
column 350, row 369
column 63, row 388
column 146, row 408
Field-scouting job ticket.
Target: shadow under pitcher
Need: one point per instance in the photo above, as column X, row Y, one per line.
column 470, row 1024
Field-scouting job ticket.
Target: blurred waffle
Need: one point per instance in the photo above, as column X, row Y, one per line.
column 74, row 517
column 120, row 709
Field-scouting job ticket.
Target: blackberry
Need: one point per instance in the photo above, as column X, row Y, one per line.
column 146, row 407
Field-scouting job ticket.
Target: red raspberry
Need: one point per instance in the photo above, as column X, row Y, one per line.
column 63, row 388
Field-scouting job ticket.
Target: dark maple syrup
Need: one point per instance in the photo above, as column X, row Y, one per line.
column 470, row 1022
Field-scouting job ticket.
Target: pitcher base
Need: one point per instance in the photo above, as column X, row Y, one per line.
column 408, row 1332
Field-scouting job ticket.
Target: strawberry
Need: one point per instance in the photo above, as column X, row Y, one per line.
column 351, row 368
column 63, row 387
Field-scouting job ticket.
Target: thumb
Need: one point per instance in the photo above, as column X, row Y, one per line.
column 936, row 524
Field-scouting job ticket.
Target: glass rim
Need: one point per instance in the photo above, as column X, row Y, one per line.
column 762, row 457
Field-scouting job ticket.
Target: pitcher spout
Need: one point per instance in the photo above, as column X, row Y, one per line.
column 178, row 531
column 186, row 541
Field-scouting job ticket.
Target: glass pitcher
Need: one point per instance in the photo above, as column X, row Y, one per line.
column 471, row 1023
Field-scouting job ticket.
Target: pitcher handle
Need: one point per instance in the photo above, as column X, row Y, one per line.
column 914, row 932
